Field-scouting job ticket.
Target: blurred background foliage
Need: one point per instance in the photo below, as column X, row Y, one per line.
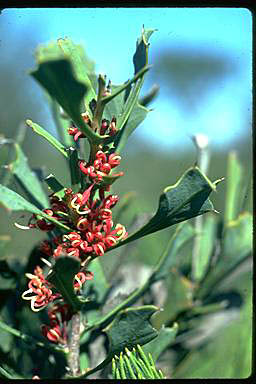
column 185, row 76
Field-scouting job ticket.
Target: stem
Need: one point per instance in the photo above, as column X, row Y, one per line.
column 203, row 156
column 96, row 122
column 74, row 349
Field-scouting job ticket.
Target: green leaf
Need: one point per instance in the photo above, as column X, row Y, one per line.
column 137, row 115
column 236, row 246
column 28, row 179
column 97, row 287
column 7, row 372
column 62, row 277
column 129, row 328
column 81, row 67
column 233, row 194
column 135, row 364
column 186, row 199
column 62, row 124
column 5, row 241
column 46, row 135
column 55, row 185
column 140, row 58
column 165, row 337
column 7, row 276
column 84, row 361
column 131, row 113
column 227, row 355
column 207, row 240
column 75, row 173
column 14, row 202
column 150, row 96
column 30, row 340
column 180, row 288
column 169, row 258
column 57, row 77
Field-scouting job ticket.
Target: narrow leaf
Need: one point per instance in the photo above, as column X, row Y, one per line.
column 97, row 290
column 75, row 173
column 150, row 96
column 29, row 340
column 169, row 258
column 236, row 246
column 137, row 115
column 14, row 202
column 47, row 136
column 28, row 178
column 164, row 339
column 233, row 194
column 207, row 240
column 9, row 373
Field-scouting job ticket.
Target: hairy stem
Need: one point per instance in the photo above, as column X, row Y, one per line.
column 73, row 344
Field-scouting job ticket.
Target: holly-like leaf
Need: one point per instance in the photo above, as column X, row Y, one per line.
column 57, row 77
column 129, row 328
column 82, row 67
column 28, row 179
column 14, row 202
column 186, row 199
column 140, row 58
column 128, row 112
column 62, row 277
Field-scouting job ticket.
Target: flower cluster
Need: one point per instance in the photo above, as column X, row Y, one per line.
column 56, row 332
column 101, row 167
column 40, row 292
column 92, row 231
column 107, row 127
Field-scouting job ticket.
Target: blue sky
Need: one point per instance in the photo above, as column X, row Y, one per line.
column 109, row 36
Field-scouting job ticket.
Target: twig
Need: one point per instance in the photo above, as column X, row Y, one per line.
column 73, row 344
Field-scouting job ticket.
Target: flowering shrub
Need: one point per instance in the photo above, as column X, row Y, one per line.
column 80, row 223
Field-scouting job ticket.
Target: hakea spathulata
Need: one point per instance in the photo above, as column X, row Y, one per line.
column 92, row 231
